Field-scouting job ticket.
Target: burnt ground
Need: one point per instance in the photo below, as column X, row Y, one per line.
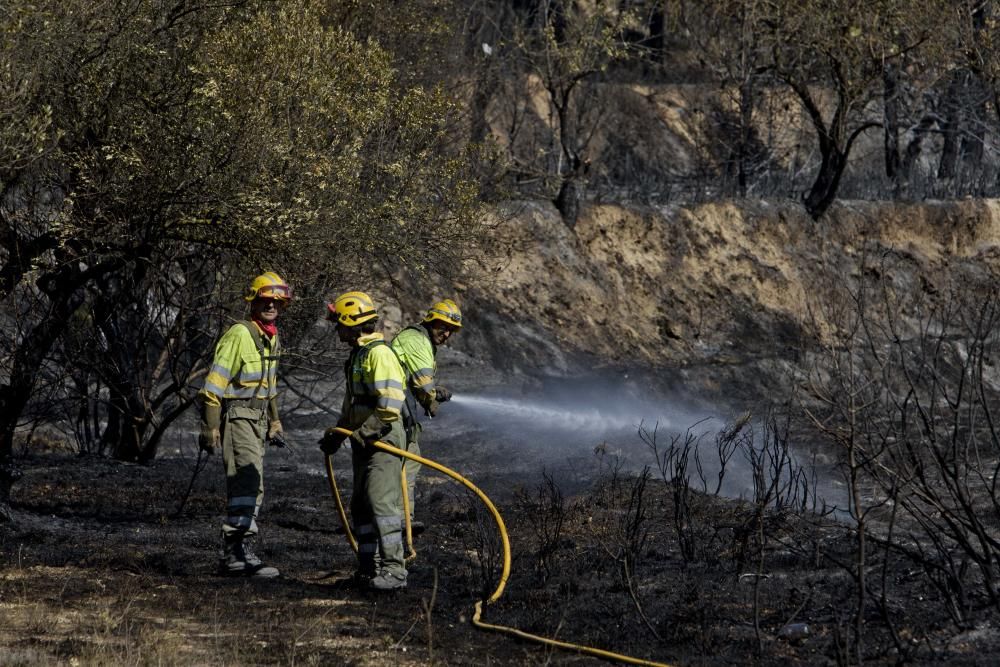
column 112, row 563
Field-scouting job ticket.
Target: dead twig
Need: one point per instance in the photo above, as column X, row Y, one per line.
column 199, row 465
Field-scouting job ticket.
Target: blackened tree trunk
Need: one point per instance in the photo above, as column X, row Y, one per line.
column 656, row 26
column 979, row 94
column 950, row 128
column 824, row 189
column 890, row 131
column 570, row 199
column 113, row 431
column 483, row 46
column 62, row 288
column 744, row 149
column 573, row 184
column 121, row 319
column 915, row 146
column 834, row 147
column 972, row 147
column 485, row 87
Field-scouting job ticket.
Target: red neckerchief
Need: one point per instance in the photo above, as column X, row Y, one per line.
column 270, row 329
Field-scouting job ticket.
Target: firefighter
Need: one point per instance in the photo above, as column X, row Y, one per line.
column 239, row 413
column 416, row 347
column 373, row 401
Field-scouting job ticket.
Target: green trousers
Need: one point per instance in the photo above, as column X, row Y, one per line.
column 377, row 506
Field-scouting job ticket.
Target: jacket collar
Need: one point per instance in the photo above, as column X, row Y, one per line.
column 370, row 338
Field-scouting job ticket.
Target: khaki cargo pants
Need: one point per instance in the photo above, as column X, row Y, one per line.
column 243, row 431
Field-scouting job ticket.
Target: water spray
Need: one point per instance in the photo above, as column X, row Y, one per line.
column 555, row 417
column 589, row 417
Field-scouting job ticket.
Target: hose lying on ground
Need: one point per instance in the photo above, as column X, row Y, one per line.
column 505, row 574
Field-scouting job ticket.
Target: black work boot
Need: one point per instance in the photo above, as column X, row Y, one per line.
column 388, row 581
column 365, row 572
column 239, row 560
column 361, row 579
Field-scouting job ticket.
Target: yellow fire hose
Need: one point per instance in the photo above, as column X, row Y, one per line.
column 505, row 574
column 340, row 505
column 335, row 490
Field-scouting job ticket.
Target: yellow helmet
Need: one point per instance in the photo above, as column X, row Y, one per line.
column 447, row 311
column 269, row 286
column 352, row 309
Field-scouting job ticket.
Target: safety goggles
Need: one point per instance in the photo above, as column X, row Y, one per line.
column 454, row 317
column 278, row 292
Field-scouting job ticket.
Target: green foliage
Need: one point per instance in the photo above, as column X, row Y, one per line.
column 423, row 38
column 845, row 44
column 255, row 128
column 148, row 147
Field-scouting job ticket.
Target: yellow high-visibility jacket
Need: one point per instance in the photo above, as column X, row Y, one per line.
column 238, row 369
column 374, row 394
column 416, row 354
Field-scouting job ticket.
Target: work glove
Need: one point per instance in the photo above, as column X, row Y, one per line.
column 442, row 395
column 275, row 434
column 331, row 441
column 369, row 432
column 431, row 408
column 210, row 437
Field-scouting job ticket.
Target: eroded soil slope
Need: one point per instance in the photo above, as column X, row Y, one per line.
column 716, row 294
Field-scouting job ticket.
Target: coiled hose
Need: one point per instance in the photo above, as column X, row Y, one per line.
column 504, row 575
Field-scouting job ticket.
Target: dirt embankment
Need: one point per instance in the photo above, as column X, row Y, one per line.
column 718, row 286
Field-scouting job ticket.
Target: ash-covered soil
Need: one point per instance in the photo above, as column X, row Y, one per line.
column 112, row 563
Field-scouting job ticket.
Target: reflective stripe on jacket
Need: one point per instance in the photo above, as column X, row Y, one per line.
column 238, row 371
column 375, row 383
column 415, row 351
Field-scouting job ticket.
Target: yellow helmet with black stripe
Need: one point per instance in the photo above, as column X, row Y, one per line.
column 352, row 309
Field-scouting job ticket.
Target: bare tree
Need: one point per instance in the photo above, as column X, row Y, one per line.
column 730, row 43
column 558, row 48
column 908, row 391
